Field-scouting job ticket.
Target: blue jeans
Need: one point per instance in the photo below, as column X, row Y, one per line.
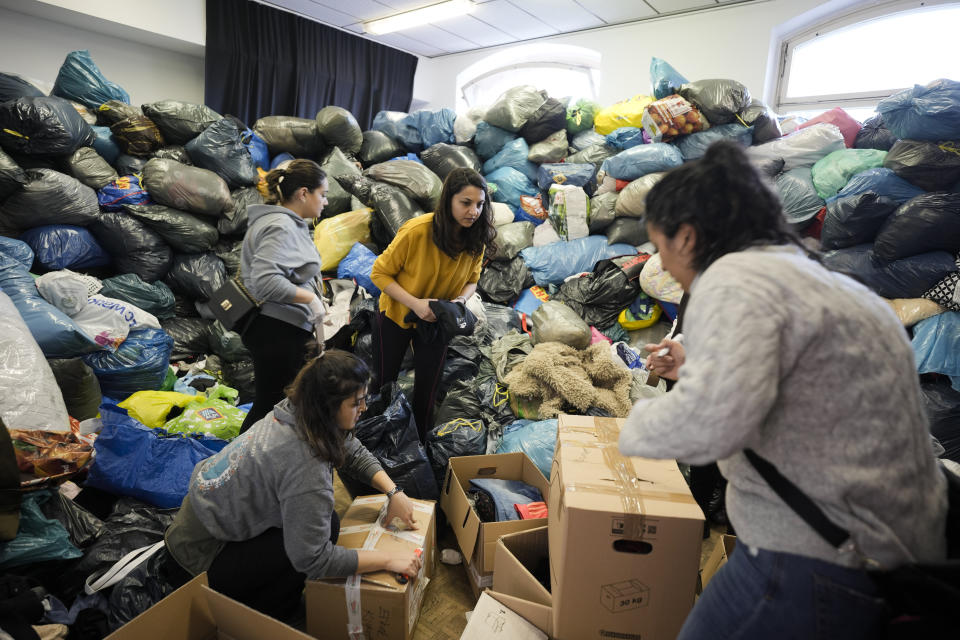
column 781, row 595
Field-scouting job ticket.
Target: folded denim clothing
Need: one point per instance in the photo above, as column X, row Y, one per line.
column 507, row 493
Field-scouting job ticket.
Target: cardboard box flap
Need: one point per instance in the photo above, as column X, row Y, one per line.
column 518, row 555
column 248, row 625
column 538, row 615
column 493, row 619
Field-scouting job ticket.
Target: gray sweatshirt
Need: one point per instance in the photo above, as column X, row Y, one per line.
column 268, row 477
column 816, row 374
column 278, row 256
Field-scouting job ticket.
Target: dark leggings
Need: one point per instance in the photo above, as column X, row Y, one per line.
column 390, row 342
column 279, row 351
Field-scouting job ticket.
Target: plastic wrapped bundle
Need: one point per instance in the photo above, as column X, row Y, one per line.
column 511, row 239
column 719, row 100
column 639, row 161
column 514, row 107
column 569, row 211
column 695, row 145
column 137, row 136
column 155, row 298
column 602, row 211
column 388, row 122
column 79, row 386
column 502, row 280
column 20, row 251
column 184, row 232
column 874, row 135
column 122, row 191
column 234, row 221
column 378, row 147
column 42, row 126
column 220, row 149
column 800, row 149
column 553, row 148
column 600, row 296
column 417, row 180
column 443, row 158
column 338, row 128
column 489, row 140
column 657, row 282
column 61, row 246
column 435, row 126
column 196, row 275
column 766, row 126
column 133, row 247
column 905, row 278
column 173, row 152
column 664, row 79
column 554, row 321
column 670, row 117
column 595, row 155
column 632, row 231
column 832, row 172
column 113, row 111
column 883, row 182
column 13, row 86
column 632, row 201
column 335, row 236
column 12, row 177
column 139, row 364
column 186, row 188
column 549, row 118
column 511, row 184
column 465, row 126
column 191, row 336
column 80, row 80
column 799, row 196
column 105, row 144
column 626, row 113
column 625, row 138
column 930, row 222
column 130, row 165
column 553, row 263
column 930, row 112
column 393, row 208
column 568, row 173
column 50, row 197
column 86, row 165
column 855, row 219
column 179, row 121
column 586, row 139
column 335, row 165
column 357, row 266
column 929, row 165
column 513, row 154
column 297, row 136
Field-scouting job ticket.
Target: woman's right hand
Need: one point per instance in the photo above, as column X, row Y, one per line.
column 406, row 562
column 422, row 308
column 667, row 366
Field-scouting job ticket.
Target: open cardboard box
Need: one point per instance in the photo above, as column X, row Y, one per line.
column 478, row 539
column 514, row 584
column 197, row 612
column 718, row 558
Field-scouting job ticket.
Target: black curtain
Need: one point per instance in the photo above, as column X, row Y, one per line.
column 262, row 62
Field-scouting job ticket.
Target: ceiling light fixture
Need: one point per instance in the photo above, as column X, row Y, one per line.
column 418, row 17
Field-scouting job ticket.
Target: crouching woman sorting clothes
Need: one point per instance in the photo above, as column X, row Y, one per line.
column 807, row 369
column 259, row 515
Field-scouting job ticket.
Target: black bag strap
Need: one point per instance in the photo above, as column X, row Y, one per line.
column 797, row 500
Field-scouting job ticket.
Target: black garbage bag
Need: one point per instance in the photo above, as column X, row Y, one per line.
column 137, row 136
column 442, row 158
column 287, row 134
column 392, row 208
column 196, row 275
column 358, row 186
column 907, row 278
column 462, row 363
column 43, row 126
column 515, row 107
column 419, row 182
column 502, row 281
column 84, row 527
column 229, row 251
column 766, row 126
column 13, row 86
column 78, row 385
column 338, row 128
column 113, row 111
column 929, row 222
column 874, row 135
column 191, row 336
column 594, row 155
column 378, row 147
column 549, row 118
column 184, row 232
column 186, row 188
column 179, row 121
column 495, row 403
column 127, row 165
column 226, row 344
column 501, row 319
column 86, row 165
column 465, row 436
column 462, row 401
column 234, row 222
column 240, row 375
column 12, row 177
column 856, row 219
column 931, row 166
column 50, row 197
column 336, row 164
column 133, row 247
column 600, row 296
column 388, row 430
column 941, row 402
column 140, row 589
column 173, row 152
column 719, row 100
column 220, row 150
column 155, row 298
column 627, row 231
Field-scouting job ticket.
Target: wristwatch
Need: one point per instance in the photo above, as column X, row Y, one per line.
column 396, row 489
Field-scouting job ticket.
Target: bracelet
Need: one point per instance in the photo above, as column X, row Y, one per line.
column 396, row 489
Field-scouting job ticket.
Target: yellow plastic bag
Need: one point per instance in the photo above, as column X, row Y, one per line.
column 335, row 236
column 631, row 323
column 627, row 113
column 151, row 407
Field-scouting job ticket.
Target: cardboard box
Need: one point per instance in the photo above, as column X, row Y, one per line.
column 514, row 585
column 477, row 539
column 479, row 582
column 491, row 619
column 197, row 612
column 384, row 607
column 625, row 536
column 718, row 558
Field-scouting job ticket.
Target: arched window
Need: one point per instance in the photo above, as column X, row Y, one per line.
column 857, row 60
column 561, row 70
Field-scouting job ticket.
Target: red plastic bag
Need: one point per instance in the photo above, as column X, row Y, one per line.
column 840, row 119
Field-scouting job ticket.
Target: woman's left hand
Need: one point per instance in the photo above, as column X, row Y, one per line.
column 400, row 507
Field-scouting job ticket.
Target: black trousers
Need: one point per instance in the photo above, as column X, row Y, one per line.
column 390, row 342
column 279, row 351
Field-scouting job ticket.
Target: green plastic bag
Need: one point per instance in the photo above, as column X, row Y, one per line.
column 210, row 414
column 832, row 172
column 39, row 538
column 155, row 298
column 580, row 116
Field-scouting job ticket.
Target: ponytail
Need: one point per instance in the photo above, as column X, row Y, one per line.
column 285, row 180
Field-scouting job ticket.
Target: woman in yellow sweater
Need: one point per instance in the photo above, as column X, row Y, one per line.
column 437, row 256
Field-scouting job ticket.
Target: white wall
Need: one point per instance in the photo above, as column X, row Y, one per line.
column 731, row 42
column 35, row 48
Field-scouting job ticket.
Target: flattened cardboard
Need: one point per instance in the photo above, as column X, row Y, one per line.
column 478, row 539
column 389, row 610
column 491, row 619
column 197, row 612
column 625, row 536
column 718, row 558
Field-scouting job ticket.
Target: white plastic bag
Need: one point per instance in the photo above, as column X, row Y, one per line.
column 800, row 149
column 502, row 214
column 632, row 201
column 569, row 211
column 66, row 290
column 545, row 234
column 659, row 284
column 465, row 126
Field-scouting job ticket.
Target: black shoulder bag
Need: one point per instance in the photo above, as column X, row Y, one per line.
column 233, row 305
column 923, row 599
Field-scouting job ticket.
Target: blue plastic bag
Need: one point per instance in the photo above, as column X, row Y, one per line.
column 147, row 464
column 123, row 190
column 576, row 174
column 18, row 250
column 924, row 113
column 693, row 146
column 553, row 263
column 408, row 133
column 410, row 156
column 139, row 363
column 435, row 126
column 388, row 122
column 65, row 246
column 81, row 80
column 664, row 79
column 881, row 181
column 357, row 266
column 511, row 184
column 257, row 148
column 57, row 335
column 105, row 145
column 906, row 278
column 536, row 439
column 639, row 161
column 936, row 345
column 488, row 140
column 39, row 539
column 513, row 154
column 625, row 137
column 280, row 158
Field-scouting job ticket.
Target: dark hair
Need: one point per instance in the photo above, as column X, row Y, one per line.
column 725, row 200
column 283, row 183
column 450, row 237
column 316, row 394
